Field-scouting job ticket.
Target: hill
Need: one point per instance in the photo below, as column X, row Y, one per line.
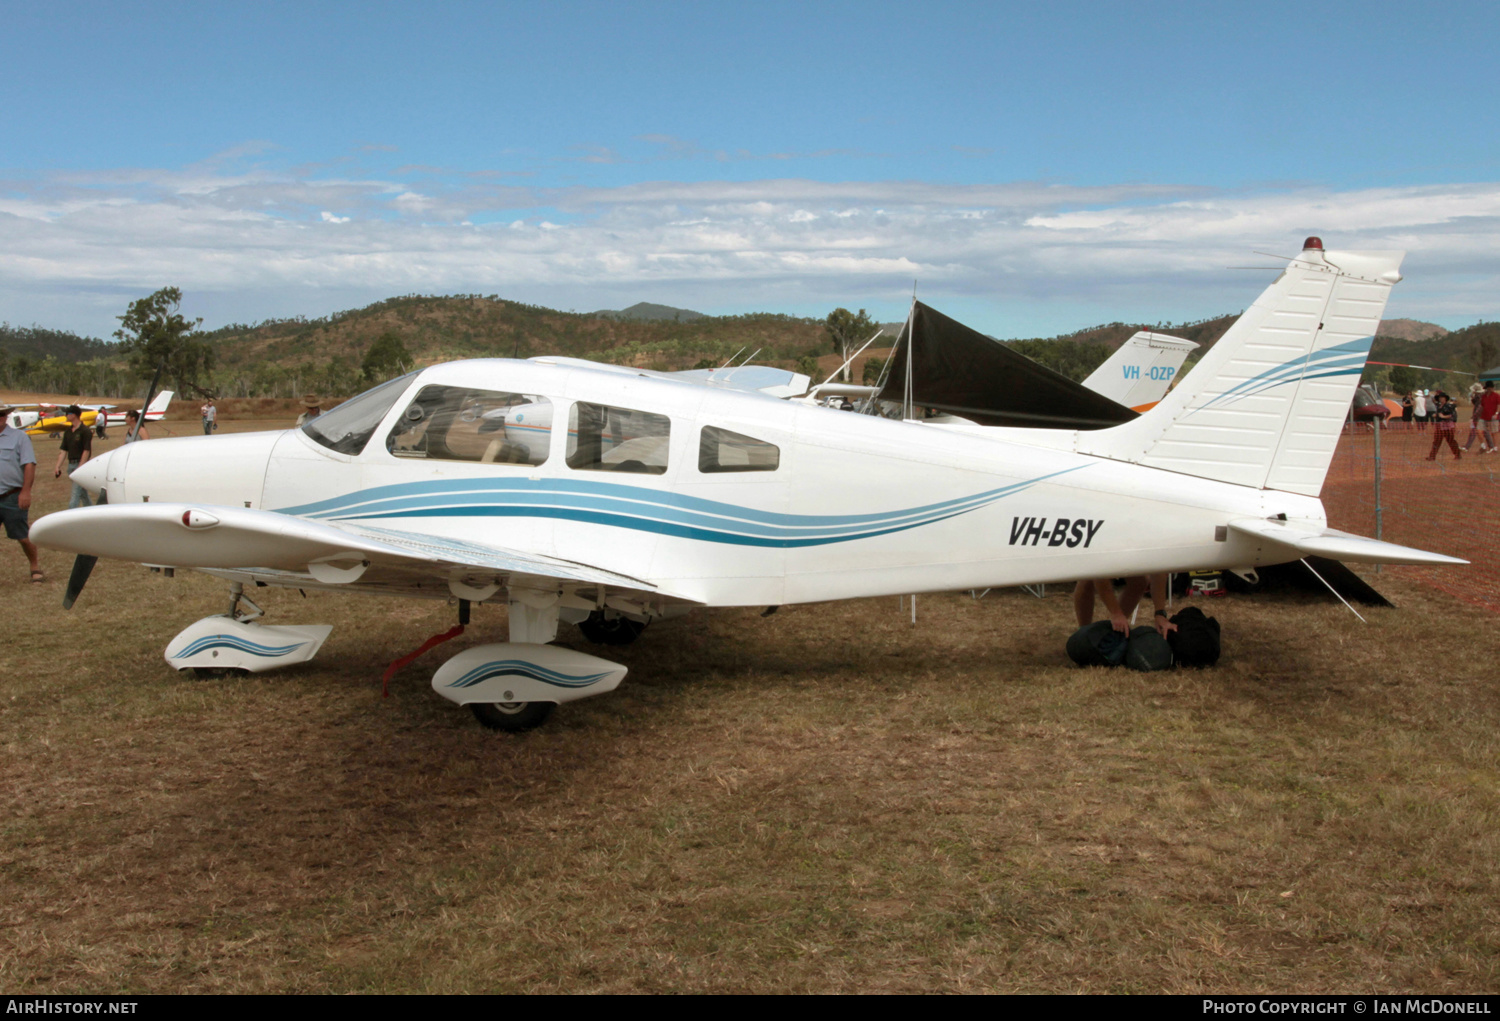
column 647, row 312
column 1410, row 329
column 1454, row 359
column 61, row 345
column 284, row 357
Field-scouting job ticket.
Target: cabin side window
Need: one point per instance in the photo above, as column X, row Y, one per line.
column 602, row 438
column 720, row 450
column 455, row 423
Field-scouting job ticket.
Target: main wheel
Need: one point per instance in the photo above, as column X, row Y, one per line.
column 617, row 630
column 209, row 673
column 512, row 716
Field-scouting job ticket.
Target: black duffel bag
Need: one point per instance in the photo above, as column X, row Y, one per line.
column 1196, row 641
column 1148, row 650
column 1097, row 644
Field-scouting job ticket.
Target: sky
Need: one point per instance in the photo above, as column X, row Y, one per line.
column 1029, row 169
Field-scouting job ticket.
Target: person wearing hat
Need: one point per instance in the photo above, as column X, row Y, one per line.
column 1476, row 426
column 1444, row 418
column 17, row 473
column 77, row 448
column 313, row 408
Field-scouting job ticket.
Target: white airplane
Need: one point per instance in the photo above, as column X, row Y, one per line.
column 1140, row 371
column 97, row 416
column 645, row 495
column 25, row 417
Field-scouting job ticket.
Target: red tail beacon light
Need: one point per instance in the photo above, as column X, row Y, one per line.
column 1312, row 245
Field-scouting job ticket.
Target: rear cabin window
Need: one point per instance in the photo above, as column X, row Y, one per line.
column 607, row 439
column 455, row 423
column 720, row 450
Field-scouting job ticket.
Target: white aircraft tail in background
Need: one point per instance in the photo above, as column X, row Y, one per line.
column 155, row 411
column 158, row 407
column 1141, row 370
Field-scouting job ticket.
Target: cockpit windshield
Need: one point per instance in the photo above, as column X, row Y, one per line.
column 348, row 427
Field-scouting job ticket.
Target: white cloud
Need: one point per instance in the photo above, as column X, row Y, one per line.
column 252, row 237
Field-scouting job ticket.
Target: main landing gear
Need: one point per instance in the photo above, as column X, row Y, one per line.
column 510, row 686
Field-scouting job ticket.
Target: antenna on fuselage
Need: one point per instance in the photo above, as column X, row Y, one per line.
column 741, row 365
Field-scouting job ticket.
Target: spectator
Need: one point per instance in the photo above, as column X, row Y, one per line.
column 131, row 418
column 77, row 448
column 1419, row 412
column 1476, row 427
column 1489, row 416
column 1445, row 419
column 210, row 417
column 312, row 408
column 17, row 473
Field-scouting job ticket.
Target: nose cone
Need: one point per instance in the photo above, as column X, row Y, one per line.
column 94, row 472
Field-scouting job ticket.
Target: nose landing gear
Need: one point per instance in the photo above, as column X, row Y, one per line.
column 233, row 641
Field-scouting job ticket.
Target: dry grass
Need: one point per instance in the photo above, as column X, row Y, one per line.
column 827, row 799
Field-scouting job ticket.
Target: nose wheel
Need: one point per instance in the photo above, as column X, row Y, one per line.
column 512, row 716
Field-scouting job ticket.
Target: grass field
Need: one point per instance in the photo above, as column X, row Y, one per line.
column 827, row 799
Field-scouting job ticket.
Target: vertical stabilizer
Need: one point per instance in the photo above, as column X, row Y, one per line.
column 1139, row 372
column 159, row 405
column 1265, row 405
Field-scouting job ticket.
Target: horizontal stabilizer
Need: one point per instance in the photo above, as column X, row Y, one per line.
column 239, row 538
column 1330, row 542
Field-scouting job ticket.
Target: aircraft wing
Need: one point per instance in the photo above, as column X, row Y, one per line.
column 1303, row 540
column 286, row 549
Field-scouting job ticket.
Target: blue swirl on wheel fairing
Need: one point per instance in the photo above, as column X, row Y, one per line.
column 530, row 671
column 234, row 642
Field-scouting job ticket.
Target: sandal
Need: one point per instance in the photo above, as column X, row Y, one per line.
column 37, row 577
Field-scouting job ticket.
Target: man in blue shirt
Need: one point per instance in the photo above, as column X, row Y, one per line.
column 17, row 473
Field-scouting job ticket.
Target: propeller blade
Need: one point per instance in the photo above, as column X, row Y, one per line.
column 83, row 566
column 130, row 436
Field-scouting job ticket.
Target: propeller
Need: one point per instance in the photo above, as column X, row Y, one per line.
column 83, row 564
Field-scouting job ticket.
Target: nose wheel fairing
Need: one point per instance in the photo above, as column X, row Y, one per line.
column 222, row 642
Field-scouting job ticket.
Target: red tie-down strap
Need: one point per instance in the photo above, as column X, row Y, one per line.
column 396, row 665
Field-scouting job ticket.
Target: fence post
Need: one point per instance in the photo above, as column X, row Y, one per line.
column 1377, row 424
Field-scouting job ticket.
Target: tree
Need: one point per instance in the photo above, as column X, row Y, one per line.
column 386, row 358
column 153, row 333
column 848, row 332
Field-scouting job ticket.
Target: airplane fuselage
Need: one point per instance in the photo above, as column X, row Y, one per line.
column 853, row 506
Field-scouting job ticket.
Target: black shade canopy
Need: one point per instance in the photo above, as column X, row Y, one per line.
column 963, row 372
